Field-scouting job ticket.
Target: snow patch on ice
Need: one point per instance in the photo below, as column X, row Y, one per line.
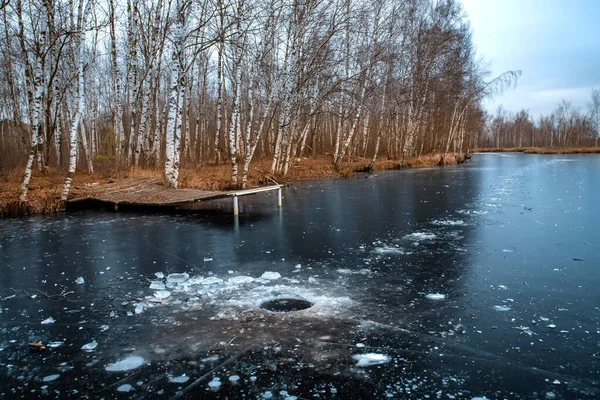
column 125, row 388
column 51, row 378
column 369, row 359
column 435, row 296
column 418, row 236
column 89, row 346
column 215, row 383
column 126, row 364
column 449, row 222
column 178, row 379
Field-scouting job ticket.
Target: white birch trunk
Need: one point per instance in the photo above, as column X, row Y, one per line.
column 173, row 135
column 35, row 124
column 118, row 117
column 79, row 100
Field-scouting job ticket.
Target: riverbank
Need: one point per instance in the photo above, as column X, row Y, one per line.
column 45, row 188
column 541, row 150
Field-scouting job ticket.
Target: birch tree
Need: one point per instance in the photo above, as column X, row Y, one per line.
column 79, row 100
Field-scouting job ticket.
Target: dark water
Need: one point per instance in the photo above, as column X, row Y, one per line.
column 480, row 280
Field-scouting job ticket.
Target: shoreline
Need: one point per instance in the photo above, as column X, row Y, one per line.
column 45, row 188
column 541, row 150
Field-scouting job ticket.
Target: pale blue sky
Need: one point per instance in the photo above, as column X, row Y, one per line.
column 555, row 43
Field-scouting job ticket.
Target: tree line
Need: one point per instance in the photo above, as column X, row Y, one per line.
column 165, row 83
column 565, row 127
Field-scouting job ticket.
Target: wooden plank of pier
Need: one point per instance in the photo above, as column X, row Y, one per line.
column 151, row 192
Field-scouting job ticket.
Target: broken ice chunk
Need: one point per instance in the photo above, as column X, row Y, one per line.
column 53, row 345
column 48, row 320
column 502, row 308
column 89, row 346
column 271, row 276
column 159, row 275
column 162, row 294
column 368, row 359
column 234, row 378
column 435, row 296
column 126, row 364
column 139, row 308
column 157, row 285
column 211, row 280
column 178, row 278
column 238, row 280
column 80, row 281
column 207, row 259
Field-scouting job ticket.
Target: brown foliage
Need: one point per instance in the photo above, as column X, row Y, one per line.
column 45, row 189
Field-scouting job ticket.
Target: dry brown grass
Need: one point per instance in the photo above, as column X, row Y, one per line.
column 542, row 150
column 45, row 188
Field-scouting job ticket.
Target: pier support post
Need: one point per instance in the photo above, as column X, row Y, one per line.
column 236, row 208
column 279, row 203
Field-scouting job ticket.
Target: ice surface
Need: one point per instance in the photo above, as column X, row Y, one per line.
column 125, row 388
column 80, row 281
column 51, row 378
column 89, row 346
column 271, row 276
column 179, row 379
column 157, row 285
column 126, row 364
column 435, row 296
column 48, row 320
column 369, row 359
column 162, row 294
column 178, row 278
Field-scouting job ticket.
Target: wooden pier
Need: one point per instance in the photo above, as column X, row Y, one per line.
column 150, row 192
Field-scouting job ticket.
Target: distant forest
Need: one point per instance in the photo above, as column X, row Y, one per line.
column 94, row 84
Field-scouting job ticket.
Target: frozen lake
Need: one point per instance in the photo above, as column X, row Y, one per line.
column 480, row 280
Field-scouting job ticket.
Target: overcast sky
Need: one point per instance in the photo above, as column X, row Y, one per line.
column 555, row 43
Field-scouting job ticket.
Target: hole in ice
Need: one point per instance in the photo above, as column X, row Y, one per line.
column 286, row 304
